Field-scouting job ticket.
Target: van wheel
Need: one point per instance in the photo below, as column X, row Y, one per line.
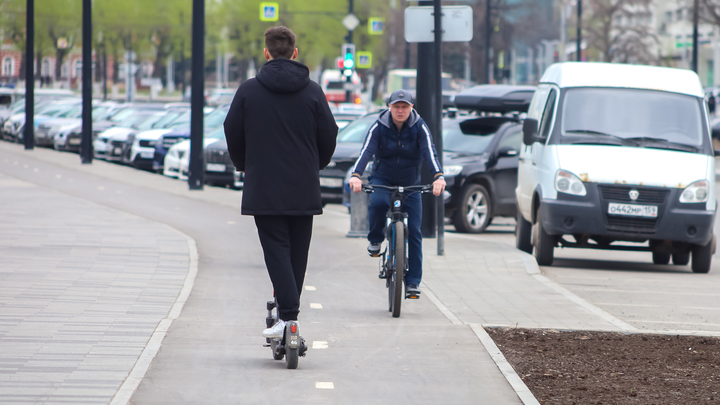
column 702, row 257
column 473, row 213
column 544, row 244
column 523, row 231
column 681, row 259
column 661, row 258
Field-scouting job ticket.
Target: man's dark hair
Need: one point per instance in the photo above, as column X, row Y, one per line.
column 280, row 42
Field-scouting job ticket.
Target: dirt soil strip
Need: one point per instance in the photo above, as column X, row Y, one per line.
column 581, row 367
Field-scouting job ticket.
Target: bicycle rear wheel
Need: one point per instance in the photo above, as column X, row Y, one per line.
column 399, row 273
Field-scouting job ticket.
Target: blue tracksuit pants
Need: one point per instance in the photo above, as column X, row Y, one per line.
column 379, row 205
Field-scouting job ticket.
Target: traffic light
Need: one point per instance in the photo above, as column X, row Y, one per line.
column 348, row 54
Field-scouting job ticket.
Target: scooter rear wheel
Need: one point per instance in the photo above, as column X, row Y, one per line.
column 291, row 358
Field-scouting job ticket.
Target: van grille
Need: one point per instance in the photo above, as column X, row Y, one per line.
column 646, row 195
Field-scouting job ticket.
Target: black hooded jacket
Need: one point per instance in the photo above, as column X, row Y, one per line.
column 281, row 133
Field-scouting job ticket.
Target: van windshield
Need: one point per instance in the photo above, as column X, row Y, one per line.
column 632, row 117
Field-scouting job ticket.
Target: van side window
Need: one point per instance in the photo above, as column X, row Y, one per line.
column 547, row 115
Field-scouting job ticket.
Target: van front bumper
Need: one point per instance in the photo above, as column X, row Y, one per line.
column 588, row 215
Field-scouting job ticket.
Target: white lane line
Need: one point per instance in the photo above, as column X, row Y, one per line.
column 534, row 270
column 310, row 288
column 101, row 188
column 132, row 382
column 58, row 176
column 515, row 381
column 318, row 344
column 324, row 385
column 36, row 169
column 231, row 222
column 315, row 305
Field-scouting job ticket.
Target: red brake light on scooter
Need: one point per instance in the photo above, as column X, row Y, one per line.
column 293, row 328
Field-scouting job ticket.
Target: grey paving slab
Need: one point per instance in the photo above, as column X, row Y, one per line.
column 82, row 288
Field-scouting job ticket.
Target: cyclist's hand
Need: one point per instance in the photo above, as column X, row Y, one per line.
column 438, row 187
column 355, row 184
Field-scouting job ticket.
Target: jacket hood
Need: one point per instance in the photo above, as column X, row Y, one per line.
column 385, row 118
column 284, row 76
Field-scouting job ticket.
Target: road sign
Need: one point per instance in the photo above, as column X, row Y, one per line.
column 350, row 22
column 62, row 43
column 376, row 26
column 457, row 24
column 269, row 11
column 364, row 60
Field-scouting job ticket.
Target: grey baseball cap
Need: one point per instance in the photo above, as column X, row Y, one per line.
column 400, row 95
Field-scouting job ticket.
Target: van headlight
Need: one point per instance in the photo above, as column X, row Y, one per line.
column 452, row 170
column 566, row 182
column 696, row 192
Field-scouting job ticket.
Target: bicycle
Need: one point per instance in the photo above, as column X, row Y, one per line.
column 394, row 259
column 291, row 346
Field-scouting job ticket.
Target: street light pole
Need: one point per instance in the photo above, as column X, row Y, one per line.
column 437, row 124
column 578, row 49
column 488, row 35
column 348, row 79
column 86, row 141
column 196, row 170
column 696, row 18
column 29, row 135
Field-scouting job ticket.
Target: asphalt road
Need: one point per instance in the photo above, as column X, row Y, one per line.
column 630, row 287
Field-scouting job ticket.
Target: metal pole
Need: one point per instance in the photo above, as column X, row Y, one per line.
column 437, row 124
column 29, row 136
column 488, row 35
column 348, row 79
column 86, row 141
column 425, row 104
column 197, row 168
column 696, row 18
column 563, row 32
column 578, row 50
column 104, row 71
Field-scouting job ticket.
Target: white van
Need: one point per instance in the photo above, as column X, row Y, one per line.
column 618, row 157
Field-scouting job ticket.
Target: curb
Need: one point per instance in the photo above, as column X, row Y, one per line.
column 516, row 383
column 136, row 375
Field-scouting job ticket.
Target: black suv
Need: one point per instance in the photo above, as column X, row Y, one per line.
column 480, row 158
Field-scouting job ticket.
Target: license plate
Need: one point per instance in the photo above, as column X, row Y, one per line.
column 633, row 210
column 117, row 151
column 147, row 155
column 331, row 182
column 215, row 167
column 74, row 141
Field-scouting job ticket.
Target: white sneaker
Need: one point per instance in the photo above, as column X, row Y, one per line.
column 276, row 331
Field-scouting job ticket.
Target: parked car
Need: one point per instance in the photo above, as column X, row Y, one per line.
column 618, row 157
column 480, row 155
column 139, row 148
column 219, row 169
column 345, row 113
column 14, row 127
column 177, row 161
column 220, row 97
column 113, row 140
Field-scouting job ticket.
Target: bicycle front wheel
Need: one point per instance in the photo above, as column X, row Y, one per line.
column 399, row 273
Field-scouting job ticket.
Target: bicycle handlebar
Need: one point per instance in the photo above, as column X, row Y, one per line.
column 422, row 188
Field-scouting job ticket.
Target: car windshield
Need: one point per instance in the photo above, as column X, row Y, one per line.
column 134, row 119
column 216, row 118
column 148, row 121
column 643, row 118
column 470, row 136
column 167, row 119
column 123, row 114
column 216, row 134
column 357, row 130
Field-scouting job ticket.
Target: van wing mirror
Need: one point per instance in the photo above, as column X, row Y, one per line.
column 530, row 128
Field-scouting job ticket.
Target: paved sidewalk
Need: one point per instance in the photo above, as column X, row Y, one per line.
column 82, row 289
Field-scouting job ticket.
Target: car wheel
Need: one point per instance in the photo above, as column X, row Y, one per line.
column 523, row 234
column 543, row 243
column 702, row 257
column 661, row 258
column 473, row 214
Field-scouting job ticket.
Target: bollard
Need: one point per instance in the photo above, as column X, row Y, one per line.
column 359, row 203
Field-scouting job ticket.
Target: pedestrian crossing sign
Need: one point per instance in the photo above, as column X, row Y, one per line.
column 376, row 26
column 364, row 60
column 269, row 12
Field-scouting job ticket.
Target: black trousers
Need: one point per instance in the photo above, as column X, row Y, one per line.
column 285, row 240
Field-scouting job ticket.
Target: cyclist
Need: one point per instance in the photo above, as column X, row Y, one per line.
column 400, row 140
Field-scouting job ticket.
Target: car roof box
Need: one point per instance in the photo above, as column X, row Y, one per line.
column 495, row 98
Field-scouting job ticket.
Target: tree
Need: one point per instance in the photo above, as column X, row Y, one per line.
column 620, row 30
